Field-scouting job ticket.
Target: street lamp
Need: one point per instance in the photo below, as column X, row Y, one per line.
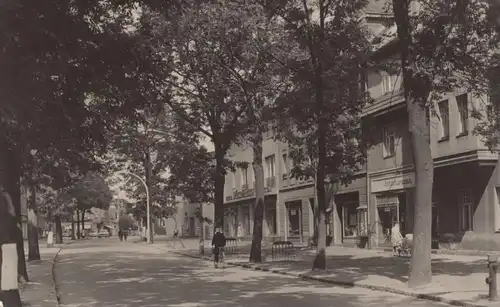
column 148, row 215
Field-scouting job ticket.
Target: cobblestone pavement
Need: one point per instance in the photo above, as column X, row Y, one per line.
column 113, row 274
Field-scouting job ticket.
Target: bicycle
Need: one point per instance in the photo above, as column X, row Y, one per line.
column 219, row 256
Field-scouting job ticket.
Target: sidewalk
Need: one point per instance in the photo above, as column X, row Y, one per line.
column 40, row 291
column 457, row 280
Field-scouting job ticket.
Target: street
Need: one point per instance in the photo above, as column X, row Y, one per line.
column 109, row 273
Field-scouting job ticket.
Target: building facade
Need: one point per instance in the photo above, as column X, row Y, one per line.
column 466, row 206
column 289, row 202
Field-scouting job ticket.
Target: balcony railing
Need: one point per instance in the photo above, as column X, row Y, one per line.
column 244, row 187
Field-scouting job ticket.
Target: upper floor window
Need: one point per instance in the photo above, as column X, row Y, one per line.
column 389, row 145
column 465, row 210
column 233, row 177
column 244, row 177
column 463, row 110
column 388, row 81
column 270, row 166
column 285, row 165
column 444, row 113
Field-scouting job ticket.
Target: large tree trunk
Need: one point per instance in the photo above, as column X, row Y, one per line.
column 8, row 230
column 83, row 223
column 149, row 177
column 33, row 248
column 73, row 237
column 320, row 205
column 416, row 94
column 320, row 260
column 14, row 189
column 59, row 232
column 314, row 240
column 219, row 186
column 78, row 234
column 256, row 250
column 420, row 264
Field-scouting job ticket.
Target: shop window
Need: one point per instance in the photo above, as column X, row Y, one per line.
column 362, row 222
column 444, row 113
column 465, row 210
column 350, row 220
column 246, row 219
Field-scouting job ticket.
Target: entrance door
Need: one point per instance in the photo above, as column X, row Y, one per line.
column 294, row 212
column 388, row 215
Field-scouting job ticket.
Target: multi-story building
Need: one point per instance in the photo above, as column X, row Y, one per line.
column 466, row 208
column 289, row 202
column 466, row 191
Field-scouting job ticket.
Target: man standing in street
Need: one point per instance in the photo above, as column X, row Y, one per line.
column 218, row 243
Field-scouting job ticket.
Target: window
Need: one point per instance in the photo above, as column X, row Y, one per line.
column 244, row 177
column 389, row 141
column 234, row 180
column 444, row 113
column 463, row 110
column 387, row 83
column 350, row 220
column 285, row 165
column 270, row 166
column 465, row 210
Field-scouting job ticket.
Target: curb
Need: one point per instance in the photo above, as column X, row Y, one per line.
column 56, row 287
column 422, row 296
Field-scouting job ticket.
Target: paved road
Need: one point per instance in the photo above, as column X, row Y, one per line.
column 112, row 274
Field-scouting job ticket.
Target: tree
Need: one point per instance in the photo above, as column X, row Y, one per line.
column 89, row 192
column 63, row 93
column 444, row 45
column 190, row 73
column 327, row 54
column 192, row 175
column 143, row 148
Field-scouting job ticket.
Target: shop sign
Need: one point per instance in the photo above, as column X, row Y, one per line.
column 246, row 193
column 399, row 182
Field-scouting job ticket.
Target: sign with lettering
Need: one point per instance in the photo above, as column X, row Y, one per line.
column 246, row 193
column 401, row 181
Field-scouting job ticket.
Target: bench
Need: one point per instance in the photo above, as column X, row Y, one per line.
column 284, row 249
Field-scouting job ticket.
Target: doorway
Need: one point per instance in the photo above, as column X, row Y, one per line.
column 294, row 214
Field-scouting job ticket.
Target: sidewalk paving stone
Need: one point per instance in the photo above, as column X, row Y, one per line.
column 457, row 279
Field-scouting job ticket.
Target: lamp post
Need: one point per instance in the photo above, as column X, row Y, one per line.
column 148, row 215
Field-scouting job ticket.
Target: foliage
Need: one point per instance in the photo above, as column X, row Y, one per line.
column 64, row 92
column 91, row 191
column 191, row 174
column 343, row 59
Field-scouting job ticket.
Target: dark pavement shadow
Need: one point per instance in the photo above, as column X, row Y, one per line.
column 354, row 269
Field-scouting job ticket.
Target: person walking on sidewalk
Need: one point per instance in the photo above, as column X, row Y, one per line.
column 218, row 243
column 396, row 237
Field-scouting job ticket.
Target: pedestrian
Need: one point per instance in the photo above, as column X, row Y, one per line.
column 396, row 238
column 218, row 243
column 120, row 234
column 125, row 234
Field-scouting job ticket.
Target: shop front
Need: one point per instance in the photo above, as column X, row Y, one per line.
column 392, row 199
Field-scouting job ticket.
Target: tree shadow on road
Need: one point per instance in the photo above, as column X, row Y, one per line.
column 126, row 279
